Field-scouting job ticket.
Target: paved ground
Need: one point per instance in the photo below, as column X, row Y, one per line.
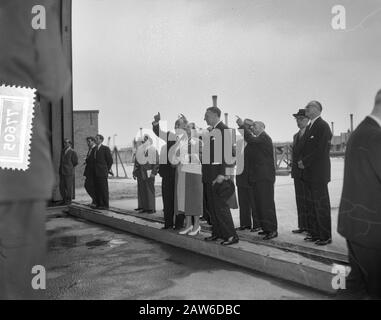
column 87, row 261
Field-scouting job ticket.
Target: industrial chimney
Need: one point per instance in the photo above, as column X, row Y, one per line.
column 214, row 98
column 333, row 128
column 351, row 122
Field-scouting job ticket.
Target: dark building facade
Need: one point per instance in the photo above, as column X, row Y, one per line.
column 58, row 116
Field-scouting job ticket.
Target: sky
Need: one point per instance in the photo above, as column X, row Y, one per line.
column 264, row 59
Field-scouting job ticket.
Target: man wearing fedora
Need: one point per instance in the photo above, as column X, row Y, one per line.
column 296, row 173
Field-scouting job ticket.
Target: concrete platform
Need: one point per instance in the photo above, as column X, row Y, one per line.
column 308, row 270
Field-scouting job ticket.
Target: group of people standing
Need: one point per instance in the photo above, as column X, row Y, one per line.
column 194, row 189
column 98, row 163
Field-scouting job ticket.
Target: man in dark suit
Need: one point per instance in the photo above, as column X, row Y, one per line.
column 315, row 164
column 68, row 162
column 168, row 173
column 360, row 208
column 262, row 176
column 33, row 59
column 102, row 166
column 214, row 171
column 296, row 173
column 89, row 169
column 247, row 211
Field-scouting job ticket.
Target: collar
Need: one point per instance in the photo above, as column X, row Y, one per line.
column 217, row 124
column 313, row 121
column 375, row 118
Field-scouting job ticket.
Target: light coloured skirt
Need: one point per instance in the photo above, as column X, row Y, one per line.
column 189, row 193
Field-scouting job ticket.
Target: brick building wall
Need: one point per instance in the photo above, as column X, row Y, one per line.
column 85, row 123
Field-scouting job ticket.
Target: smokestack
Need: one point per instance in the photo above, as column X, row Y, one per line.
column 141, row 133
column 333, row 128
column 351, row 122
column 214, row 98
column 227, row 119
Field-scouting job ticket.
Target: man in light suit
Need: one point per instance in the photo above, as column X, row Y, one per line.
column 296, row 173
column 102, row 167
column 315, row 164
column 360, row 208
column 68, row 162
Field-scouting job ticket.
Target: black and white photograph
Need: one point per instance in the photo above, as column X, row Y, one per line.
column 203, row 151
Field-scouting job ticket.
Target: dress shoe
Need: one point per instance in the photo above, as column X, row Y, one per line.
column 323, row 242
column 232, row 240
column 263, row 233
column 255, row 230
column 195, row 233
column 243, row 228
column 311, row 239
column 138, row 209
column 149, row 211
column 211, row 238
column 93, row 206
column 186, row 231
column 102, row 208
column 166, row 228
column 298, row 231
column 271, row 235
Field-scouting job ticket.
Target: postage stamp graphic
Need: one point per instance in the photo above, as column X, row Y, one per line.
column 16, row 115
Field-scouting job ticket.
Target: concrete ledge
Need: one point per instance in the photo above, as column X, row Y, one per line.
column 325, row 254
column 276, row 262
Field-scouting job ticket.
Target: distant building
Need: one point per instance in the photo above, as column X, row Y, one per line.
column 85, row 123
column 339, row 143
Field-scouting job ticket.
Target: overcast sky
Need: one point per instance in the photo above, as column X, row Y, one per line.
column 264, row 60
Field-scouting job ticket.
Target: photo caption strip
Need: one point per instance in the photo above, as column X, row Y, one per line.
column 16, row 115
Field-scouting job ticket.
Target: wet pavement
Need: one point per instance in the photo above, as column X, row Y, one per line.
column 88, row 261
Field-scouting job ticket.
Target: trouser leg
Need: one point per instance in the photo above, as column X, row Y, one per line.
column 301, row 204
column 322, row 211
column 264, row 199
column 244, row 206
column 223, row 217
column 22, row 246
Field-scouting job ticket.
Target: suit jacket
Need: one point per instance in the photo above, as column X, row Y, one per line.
column 217, row 164
column 242, row 180
column 261, row 153
column 297, row 145
column 165, row 167
column 360, row 207
column 315, row 153
column 102, row 161
column 152, row 163
column 69, row 161
column 90, row 164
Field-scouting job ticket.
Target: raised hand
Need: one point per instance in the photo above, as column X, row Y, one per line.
column 157, row 117
column 239, row 121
